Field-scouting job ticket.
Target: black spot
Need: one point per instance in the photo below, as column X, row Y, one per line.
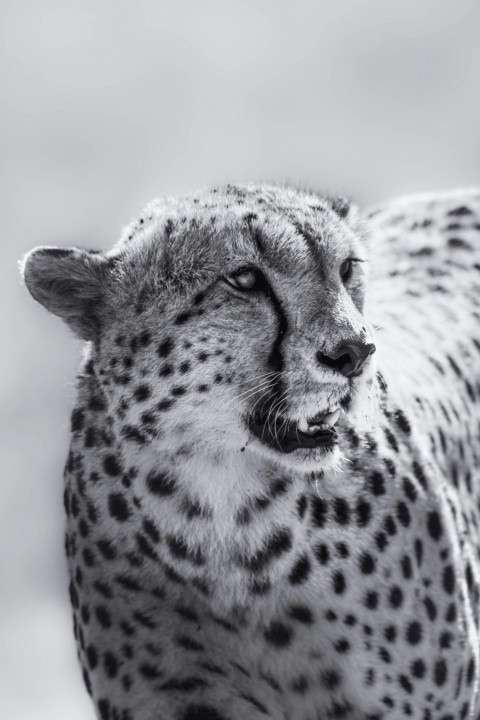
column 127, row 583
column 187, row 613
column 92, row 657
column 110, row 664
column 280, row 541
column 342, row 549
column 419, row 474
column 470, row 671
column 278, row 487
column 188, row 684
column 300, row 571
column 165, row 348
column 319, row 511
column 142, row 393
column 402, row 422
column 371, row 600
column 88, row 557
column 166, row 370
column 445, row 641
column 392, row 440
column 111, row 466
column 403, row 514
column 405, row 683
column 182, row 318
column 278, row 634
column 409, row 489
column 376, row 483
column 184, row 367
column 395, row 596
column 381, row 541
column 331, row 679
column 130, row 432
column 367, row 564
column 300, row 684
column 301, row 613
column 202, row 712
column 189, row 643
column 73, row 595
column 342, row 645
column 460, row 211
column 118, row 507
column 97, row 404
column 434, row 525
column 406, row 565
column 390, row 525
column 104, row 709
column 103, row 616
column 363, row 512
column 145, row 548
column 449, row 579
column 149, row 672
column 151, row 530
column 103, row 589
column 338, row 582
column 160, row 483
column 440, row 672
column 179, row 549
column 301, row 506
column 418, row 669
column 390, row 633
column 107, row 549
column 414, row 633
column 430, row 607
column 341, row 511
column 322, row 553
column 451, row 614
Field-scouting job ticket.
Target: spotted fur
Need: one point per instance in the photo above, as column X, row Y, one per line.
column 213, row 578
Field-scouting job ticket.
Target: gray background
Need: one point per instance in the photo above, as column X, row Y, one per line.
column 105, row 105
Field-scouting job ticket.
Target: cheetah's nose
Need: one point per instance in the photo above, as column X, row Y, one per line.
column 347, row 358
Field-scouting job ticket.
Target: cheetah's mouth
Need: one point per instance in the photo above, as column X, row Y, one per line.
column 286, row 435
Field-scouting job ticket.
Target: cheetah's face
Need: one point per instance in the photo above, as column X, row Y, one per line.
column 229, row 328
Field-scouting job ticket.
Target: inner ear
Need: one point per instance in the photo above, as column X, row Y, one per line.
column 69, row 283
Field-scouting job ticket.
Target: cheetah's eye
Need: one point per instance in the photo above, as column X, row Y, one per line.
column 346, row 268
column 245, row 279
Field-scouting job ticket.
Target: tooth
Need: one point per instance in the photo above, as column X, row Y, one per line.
column 303, row 425
column 331, row 418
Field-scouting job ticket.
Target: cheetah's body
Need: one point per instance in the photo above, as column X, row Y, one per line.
column 211, row 582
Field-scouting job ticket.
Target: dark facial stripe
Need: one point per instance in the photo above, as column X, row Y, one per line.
column 275, row 359
column 310, row 239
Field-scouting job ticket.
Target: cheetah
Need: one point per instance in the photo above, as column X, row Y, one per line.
column 272, row 490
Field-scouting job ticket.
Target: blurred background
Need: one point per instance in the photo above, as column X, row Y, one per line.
column 105, row 105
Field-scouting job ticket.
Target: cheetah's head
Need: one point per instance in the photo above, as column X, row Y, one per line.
column 230, row 320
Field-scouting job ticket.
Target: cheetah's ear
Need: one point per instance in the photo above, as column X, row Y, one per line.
column 69, row 283
column 346, row 210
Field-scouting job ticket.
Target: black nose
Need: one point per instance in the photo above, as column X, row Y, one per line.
column 347, row 358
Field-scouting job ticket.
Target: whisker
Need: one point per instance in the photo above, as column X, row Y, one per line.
column 251, row 391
